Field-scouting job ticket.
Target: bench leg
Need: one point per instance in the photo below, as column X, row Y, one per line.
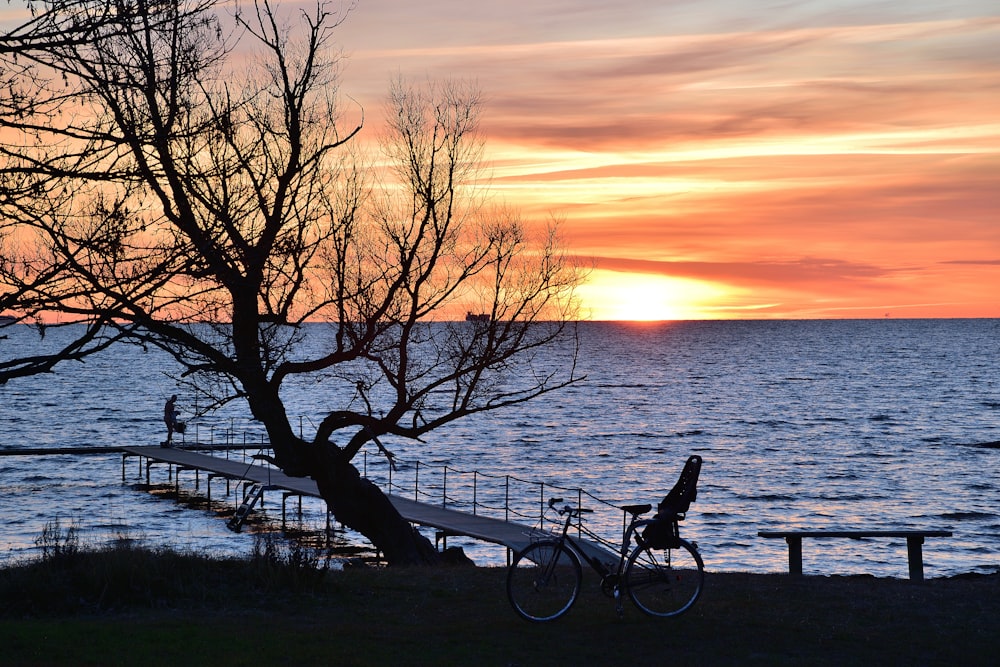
column 915, row 556
column 794, row 554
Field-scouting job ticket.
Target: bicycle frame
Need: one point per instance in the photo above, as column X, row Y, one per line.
column 609, row 579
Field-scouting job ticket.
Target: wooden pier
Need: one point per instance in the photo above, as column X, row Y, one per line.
column 512, row 535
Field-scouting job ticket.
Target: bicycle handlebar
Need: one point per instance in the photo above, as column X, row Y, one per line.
column 567, row 509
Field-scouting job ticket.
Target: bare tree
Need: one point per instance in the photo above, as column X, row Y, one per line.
column 161, row 188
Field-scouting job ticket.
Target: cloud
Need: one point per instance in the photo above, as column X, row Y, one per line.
column 794, row 272
column 813, row 158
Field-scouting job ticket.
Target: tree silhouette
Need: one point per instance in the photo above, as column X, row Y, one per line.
column 182, row 178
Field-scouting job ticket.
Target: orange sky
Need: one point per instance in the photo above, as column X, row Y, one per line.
column 730, row 159
column 721, row 159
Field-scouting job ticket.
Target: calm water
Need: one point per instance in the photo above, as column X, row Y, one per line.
column 878, row 423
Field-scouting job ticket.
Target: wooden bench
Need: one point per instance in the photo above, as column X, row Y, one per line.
column 914, row 542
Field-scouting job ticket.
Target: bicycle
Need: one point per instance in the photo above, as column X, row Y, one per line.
column 663, row 574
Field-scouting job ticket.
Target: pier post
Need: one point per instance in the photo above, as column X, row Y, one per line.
column 541, row 503
column 506, row 498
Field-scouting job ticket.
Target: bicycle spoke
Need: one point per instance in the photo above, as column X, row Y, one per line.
column 544, row 581
column 664, row 582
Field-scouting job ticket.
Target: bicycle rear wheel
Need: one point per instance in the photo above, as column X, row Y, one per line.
column 544, row 580
column 665, row 582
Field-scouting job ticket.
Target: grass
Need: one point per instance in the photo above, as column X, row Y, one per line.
column 125, row 605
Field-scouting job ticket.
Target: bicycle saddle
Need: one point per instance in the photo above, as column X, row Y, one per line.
column 636, row 510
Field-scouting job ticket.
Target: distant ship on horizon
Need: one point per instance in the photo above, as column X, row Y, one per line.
column 477, row 317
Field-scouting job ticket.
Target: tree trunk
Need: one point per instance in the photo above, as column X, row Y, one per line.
column 355, row 501
column 361, row 506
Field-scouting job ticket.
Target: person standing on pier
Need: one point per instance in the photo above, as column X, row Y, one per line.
column 170, row 414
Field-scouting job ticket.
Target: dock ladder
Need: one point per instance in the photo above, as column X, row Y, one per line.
column 251, row 496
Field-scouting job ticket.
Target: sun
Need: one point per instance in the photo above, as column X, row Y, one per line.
column 642, row 297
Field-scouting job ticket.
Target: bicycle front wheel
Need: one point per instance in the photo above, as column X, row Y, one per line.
column 665, row 582
column 544, row 580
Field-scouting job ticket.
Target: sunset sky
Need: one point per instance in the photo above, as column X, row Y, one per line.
column 724, row 159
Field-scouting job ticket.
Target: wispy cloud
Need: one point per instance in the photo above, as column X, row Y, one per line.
column 805, row 270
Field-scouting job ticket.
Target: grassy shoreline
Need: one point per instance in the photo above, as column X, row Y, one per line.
column 126, row 606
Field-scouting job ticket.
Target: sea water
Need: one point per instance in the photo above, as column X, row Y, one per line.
column 876, row 424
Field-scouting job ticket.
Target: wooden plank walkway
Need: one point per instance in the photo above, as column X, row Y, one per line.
column 514, row 536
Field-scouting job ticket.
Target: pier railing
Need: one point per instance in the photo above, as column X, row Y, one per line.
column 505, row 497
